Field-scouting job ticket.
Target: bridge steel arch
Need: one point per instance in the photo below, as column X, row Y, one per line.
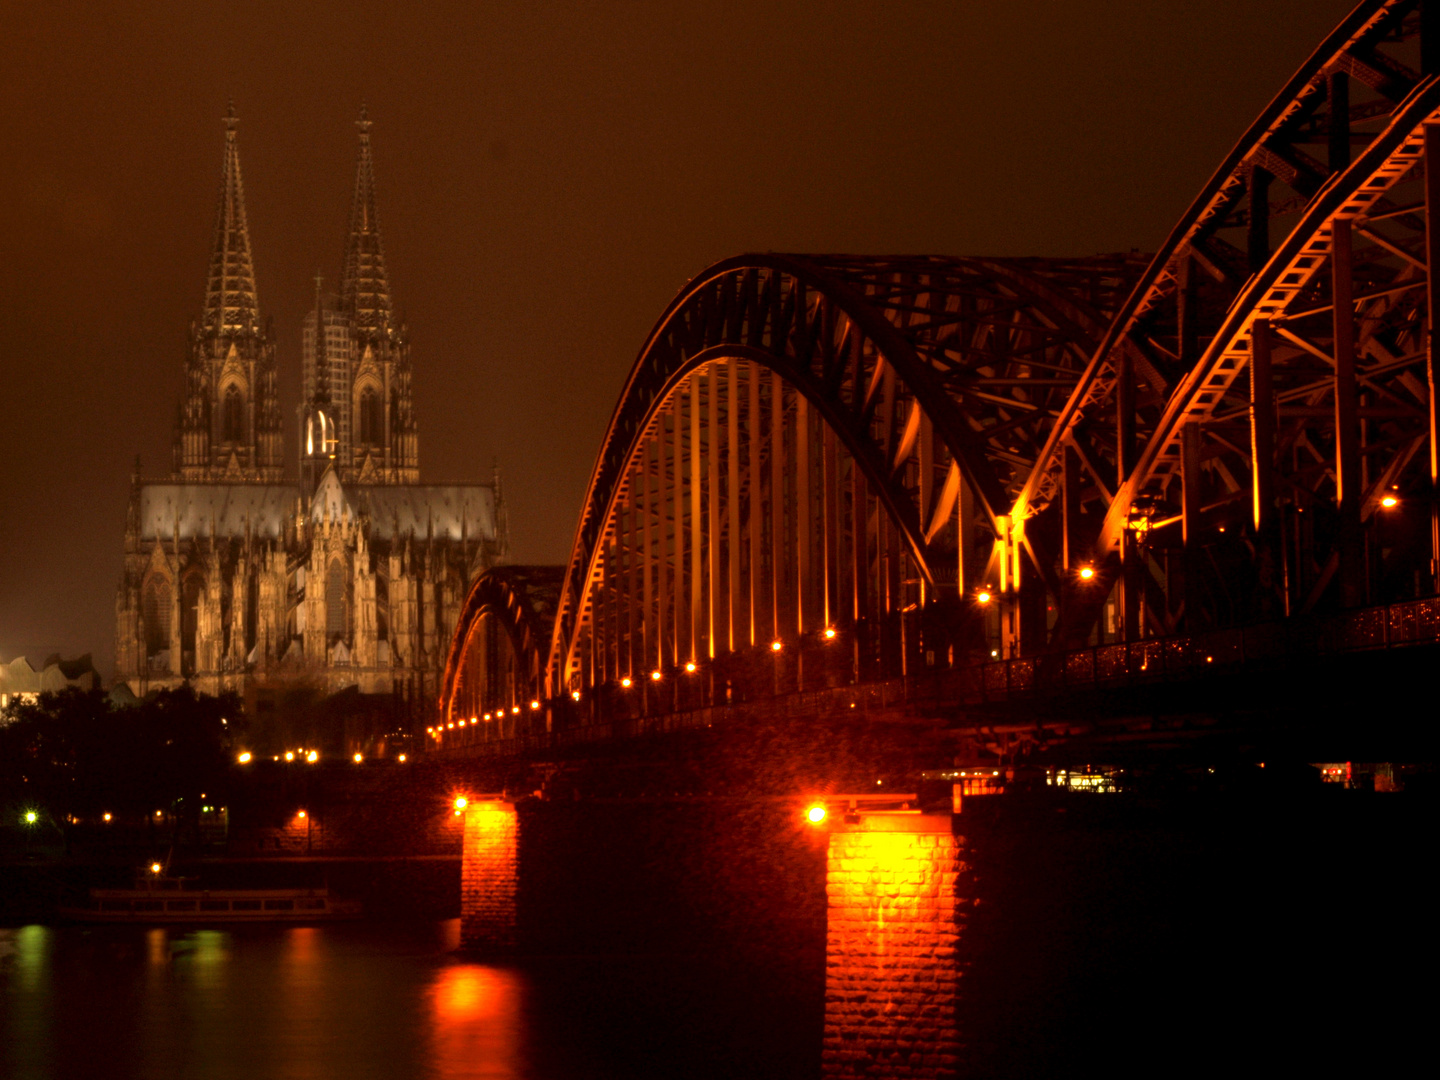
column 1284, row 322
column 493, row 672
column 1242, row 427
column 813, row 445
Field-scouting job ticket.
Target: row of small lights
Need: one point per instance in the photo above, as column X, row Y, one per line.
column 626, row 682
column 30, row 817
column 984, row 596
column 309, row 756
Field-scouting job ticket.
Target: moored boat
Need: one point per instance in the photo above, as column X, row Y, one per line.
column 157, row 899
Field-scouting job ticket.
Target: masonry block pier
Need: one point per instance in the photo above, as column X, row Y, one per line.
column 890, row 981
column 489, row 876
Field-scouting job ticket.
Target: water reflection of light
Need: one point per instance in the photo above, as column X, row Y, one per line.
column 307, row 1032
column 208, row 952
column 475, row 1021
column 32, row 955
column 157, row 947
column 27, row 1020
column 301, row 944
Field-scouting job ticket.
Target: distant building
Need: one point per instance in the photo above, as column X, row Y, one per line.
column 20, row 682
column 352, row 575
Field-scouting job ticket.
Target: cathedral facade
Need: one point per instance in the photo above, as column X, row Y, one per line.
column 348, row 573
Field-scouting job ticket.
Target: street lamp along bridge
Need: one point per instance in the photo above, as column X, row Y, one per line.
column 890, row 467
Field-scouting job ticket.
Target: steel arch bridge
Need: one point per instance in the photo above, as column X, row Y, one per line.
column 829, row 469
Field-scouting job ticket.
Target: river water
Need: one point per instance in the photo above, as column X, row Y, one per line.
column 370, row 1000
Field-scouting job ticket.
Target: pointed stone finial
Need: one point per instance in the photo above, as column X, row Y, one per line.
column 363, row 124
column 231, row 120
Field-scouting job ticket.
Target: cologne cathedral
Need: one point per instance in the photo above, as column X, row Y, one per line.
column 237, row 578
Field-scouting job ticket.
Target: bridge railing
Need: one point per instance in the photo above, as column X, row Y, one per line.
column 1413, row 622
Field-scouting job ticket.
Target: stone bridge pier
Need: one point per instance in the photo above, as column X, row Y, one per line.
column 489, row 877
column 880, row 886
column 890, row 949
column 1029, row 932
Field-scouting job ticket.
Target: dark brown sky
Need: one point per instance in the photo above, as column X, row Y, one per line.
column 549, row 174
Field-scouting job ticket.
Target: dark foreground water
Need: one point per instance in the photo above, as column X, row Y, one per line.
column 358, row 1001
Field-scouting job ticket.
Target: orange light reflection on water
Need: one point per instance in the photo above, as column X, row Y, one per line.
column 476, row 1025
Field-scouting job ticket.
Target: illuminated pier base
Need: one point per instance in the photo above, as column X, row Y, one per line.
column 489, row 868
column 890, row 982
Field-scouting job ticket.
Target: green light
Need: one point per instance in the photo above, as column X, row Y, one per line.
column 31, row 817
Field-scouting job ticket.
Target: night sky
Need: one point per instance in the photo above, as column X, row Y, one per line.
column 549, row 176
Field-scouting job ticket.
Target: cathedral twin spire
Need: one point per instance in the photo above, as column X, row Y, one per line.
column 231, row 302
column 229, row 427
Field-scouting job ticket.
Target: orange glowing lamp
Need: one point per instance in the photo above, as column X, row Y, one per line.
column 1086, row 573
column 1389, row 502
column 460, row 803
column 244, row 758
column 690, row 666
column 625, row 682
column 815, row 814
column 776, row 646
column 829, row 633
column 575, row 695
column 155, row 868
column 534, row 705
column 983, row 596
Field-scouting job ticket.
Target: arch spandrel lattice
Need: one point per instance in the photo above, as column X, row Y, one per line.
column 920, row 386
